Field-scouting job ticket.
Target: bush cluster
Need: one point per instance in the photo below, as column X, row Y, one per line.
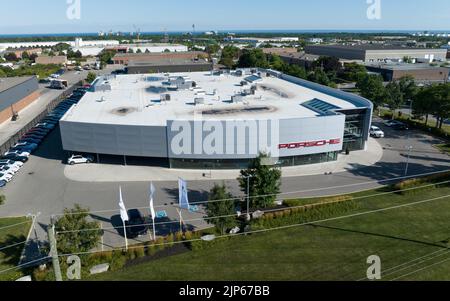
column 305, row 214
column 417, row 182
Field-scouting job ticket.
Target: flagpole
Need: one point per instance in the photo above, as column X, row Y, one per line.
column 154, row 231
column 125, row 233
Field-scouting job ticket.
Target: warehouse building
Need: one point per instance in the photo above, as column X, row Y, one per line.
column 377, row 53
column 216, row 120
column 420, row 72
column 125, row 58
column 16, row 93
column 163, row 66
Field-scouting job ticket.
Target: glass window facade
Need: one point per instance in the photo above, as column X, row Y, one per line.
column 355, row 129
column 241, row 164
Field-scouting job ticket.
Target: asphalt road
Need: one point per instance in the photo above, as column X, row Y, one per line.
column 41, row 186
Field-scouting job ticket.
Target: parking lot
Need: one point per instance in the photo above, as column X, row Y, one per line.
column 41, row 187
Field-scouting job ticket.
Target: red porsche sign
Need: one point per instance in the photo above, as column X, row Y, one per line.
column 309, row 144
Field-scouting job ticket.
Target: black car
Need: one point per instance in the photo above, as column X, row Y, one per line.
column 136, row 225
column 34, row 135
column 38, row 131
column 30, row 140
column 14, row 157
column 400, row 127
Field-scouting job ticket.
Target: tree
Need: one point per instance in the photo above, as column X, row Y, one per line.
column 223, row 208
column 25, row 55
column 78, row 240
column 371, row 87
column 408, row 87
column 264, row 180
column 353, row 71
column 394, row 97
column 130, row 50
column 319, row 76
column 328, row 64
column 213, row 48
column 253, row 58
column 91, row 77
column 11, row 57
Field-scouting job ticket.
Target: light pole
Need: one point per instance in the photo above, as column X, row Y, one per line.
column 407, row 161
column 248, row 196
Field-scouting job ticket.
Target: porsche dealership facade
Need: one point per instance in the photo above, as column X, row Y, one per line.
column 217, row 119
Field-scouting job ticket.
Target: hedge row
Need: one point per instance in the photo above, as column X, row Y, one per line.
column 117, row 259
column 424, row 181
column 305, row 214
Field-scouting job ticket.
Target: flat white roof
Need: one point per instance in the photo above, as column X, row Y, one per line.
column 136, row 100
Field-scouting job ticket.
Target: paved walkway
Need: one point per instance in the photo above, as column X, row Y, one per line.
column 118, row 173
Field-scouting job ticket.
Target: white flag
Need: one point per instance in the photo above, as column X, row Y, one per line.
column 123, row 210
column 152, row 207
column 183, row 194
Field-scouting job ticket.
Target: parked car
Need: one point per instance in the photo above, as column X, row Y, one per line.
column 376, row 132
column 6, row 177
column 7, row 170
column 45, row 125
column 136, row 225
column 391, row 123
column 26, row 144
column 39, row 131
column 400, row 126
column 79, row 159
column 14, row 168
column 30, row 140
column 2, row 184
column 17, row 153
column 14, row 158
column 33, row 135
column 11, row 163
column 22, row 149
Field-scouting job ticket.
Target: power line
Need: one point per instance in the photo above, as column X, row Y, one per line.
column 411, row 261
column 13, row 245
column 421, row 269
column 276, row 194
column 14, row 225
column 266, row 211
column 415, row 264
column 281, row 227
column 25, row 264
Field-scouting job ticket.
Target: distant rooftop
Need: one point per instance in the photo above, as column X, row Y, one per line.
column 7, row 83
column 371, row 47
column 402, row 66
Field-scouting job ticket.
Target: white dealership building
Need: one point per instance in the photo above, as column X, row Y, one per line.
column 216, row 120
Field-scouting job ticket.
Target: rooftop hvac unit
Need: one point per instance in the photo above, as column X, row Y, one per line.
column 199, row 100
column 237, row 98
column 244, row 83
column 165, row 97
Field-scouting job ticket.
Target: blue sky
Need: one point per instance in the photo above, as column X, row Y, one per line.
column 49, row 16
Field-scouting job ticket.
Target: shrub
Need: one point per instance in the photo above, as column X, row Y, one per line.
column 139, row 251
column 409, row 184
column 2, row 199
column 179, row 236
column 118, row 260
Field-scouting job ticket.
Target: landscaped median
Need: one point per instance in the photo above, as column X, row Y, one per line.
column 310, row 239
column 13, row 234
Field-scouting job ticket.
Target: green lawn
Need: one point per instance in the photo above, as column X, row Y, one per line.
column 444, row 148
column 334, row 250
column 9, row 236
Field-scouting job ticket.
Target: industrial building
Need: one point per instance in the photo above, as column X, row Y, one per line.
column 420, row 72
column 49, row 60
column 377, row 53
column 171, row 118
column 148, row 48
column 16, row 93
column 125, row 58
column 165, row 65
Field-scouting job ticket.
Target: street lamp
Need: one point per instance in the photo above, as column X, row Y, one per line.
column 407, row 161
column 248, row 196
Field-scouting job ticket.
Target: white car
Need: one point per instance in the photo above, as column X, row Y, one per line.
column 376, row 132
column 6, row 177
column 78, row 159
column 8, row 170
column 18, row 153
column 11, row 163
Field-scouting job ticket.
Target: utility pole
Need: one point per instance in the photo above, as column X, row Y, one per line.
column 54, row 251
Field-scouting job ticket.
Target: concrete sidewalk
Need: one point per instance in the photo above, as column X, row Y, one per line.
column 118, row 173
